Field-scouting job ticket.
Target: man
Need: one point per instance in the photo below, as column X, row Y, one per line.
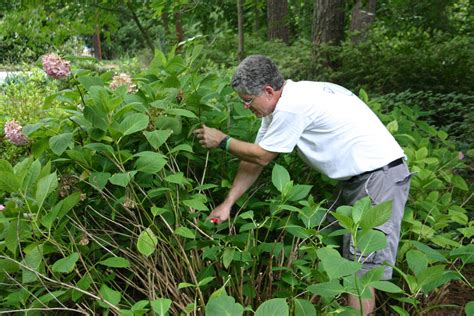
column 334, row 132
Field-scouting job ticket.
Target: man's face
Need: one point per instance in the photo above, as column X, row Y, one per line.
column 261, row 105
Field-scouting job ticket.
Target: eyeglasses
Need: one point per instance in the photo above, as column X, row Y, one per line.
column 248, row 102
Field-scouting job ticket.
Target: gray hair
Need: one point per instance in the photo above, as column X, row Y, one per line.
column 254, row 73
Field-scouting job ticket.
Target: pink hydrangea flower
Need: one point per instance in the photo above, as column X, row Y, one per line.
column 123, row 80
column 2, row 207
column 14, row 134
column 56, row 67
column 460, row 155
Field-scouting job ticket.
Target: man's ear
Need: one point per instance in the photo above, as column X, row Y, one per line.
column 269, row 91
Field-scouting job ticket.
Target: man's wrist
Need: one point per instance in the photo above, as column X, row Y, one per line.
column 225, row 143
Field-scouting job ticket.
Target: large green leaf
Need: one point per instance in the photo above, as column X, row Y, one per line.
column 157, row 138
column 67, row 264
column 150, row 162
column 274, row 307
column 228, row 256
column 147, row 242
column 299, row 192
column 304, row 308
column 46, row 185
column 133, row 123
column 224, row 305
column 8, row 181
column 469, row 308
column 376, row 215
column 336, row 266
column 327, row 289
column 59, row 143
column 280, row 177
column 371, row 241
column 161, row 306
column 89, row 81
column 417, row 261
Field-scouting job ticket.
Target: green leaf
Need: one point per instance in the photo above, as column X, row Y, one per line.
column 88, row 82
column 115, row 262
column 84, row 283
column 386, row 286
column 205, row 281
column 8, row 181
column 344, row 221
column 401, row 311
column 417, row 261
column 150, row 162
column 327, row 289
column 224, row 305
column 181, row 112
column 158, row 138
column 46, row 186
column 371, row 241
column 134, row 123
column 110, row 295
column 469, row 308
column 196, row 204
column 31, row 176
column 304, row 308
column 376, row 215
column 99, row 180
column 299, row 192
column 274, row 307
column 161, row 306
column 122, row 179
column 336, row 266
column 280, row 177
column 60, row 209
column 59, row 143
column 428, row 251
column 184, row 285
column 67, row 264
column 147, row 242
column 33, row 260
column 185, row 232
column 228, row 256
column 177, row 178
column 459, row 183
column 182, row 147
column 359, row 208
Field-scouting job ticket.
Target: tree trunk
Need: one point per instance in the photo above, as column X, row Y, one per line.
column 361, row 20
column 240, row 23
column 143, row 31
column 277, row 16
column 328, row 22
column 178, row 27
column 97, row 45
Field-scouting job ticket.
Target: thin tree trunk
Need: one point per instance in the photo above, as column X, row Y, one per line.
column 178, row 27
column 328, row 22
column 143, row 31
column 277, row 16
column 256, row 13
column 240, row 23
column 97, row 44
column 361, row 20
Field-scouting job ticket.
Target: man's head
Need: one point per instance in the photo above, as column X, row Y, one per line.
column 258, row 82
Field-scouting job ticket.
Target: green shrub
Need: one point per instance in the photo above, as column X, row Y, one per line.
column 109, row 212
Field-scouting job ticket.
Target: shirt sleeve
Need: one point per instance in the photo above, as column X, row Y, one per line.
column 283, row 132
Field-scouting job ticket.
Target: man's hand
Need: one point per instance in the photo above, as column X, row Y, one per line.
column 209, row 137
column 219, row 214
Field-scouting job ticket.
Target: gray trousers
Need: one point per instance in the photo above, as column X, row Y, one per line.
column 382, row 185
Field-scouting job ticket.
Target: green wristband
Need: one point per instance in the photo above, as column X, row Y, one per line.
column 227, row 143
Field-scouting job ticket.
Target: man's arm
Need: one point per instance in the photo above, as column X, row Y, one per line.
column 246, row 175
column 253, row 153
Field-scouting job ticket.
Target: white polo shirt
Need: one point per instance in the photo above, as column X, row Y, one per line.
column 334, row 131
